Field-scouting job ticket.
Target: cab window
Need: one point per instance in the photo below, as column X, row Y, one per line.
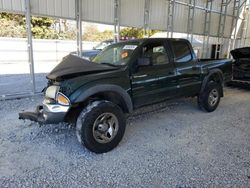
column 181, row 51
column 156, row 52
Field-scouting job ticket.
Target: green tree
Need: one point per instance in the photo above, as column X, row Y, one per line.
column 12, row 25
column 91, row 33
column 42, row 27
column 135, row 32
column 19, row 19
column 11, row 29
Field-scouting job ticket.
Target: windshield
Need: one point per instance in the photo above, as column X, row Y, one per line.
column 117, row 54
column 102, row 45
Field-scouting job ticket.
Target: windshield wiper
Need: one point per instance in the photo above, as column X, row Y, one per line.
column 110, row 64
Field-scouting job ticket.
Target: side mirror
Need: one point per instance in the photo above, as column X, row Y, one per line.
column 143, row 62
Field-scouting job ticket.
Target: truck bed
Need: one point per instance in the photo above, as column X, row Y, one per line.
column 209, row 60
column 225, row 65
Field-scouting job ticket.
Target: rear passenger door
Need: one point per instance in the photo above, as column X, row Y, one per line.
column 156, row 81
column 187, row 68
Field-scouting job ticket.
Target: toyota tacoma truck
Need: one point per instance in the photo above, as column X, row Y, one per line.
column 96, row 96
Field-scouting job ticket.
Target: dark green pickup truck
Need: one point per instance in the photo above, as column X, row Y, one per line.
column 97, row 95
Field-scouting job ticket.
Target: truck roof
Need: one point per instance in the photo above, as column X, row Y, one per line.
column 157, row 39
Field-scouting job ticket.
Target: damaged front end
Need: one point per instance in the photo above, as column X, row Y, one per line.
column 56, row 103
column 53, row 110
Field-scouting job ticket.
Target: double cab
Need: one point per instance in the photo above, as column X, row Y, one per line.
column 96, row 95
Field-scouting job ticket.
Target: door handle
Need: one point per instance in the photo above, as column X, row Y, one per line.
column 140, row 76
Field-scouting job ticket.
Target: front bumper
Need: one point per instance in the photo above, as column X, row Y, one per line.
column 46, row 114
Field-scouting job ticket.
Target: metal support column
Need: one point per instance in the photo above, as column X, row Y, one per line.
column 236, row 12
column 242, row 24
column 146, row 18
column 245, row 26
column 170, row 20
column 79, row 26
column 205, row 47
column 30, row 44
column 117, row 9
column 221, row 28
column 190, row 24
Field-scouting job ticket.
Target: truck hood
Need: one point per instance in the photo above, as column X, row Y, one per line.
column 241, row 53
column 72, row 66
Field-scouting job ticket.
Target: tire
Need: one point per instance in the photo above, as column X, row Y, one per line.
column 209, row 99
column 93, row 126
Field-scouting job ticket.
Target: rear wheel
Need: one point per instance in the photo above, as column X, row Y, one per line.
column 100, row 126
column 209, row 99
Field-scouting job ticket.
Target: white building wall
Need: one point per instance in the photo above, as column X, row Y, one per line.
column 47, row 54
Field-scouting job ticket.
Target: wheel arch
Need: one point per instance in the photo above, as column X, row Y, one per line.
column 113, row 93
column 109, row 92
column 215, row 75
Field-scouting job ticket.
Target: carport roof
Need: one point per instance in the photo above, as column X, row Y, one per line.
column 153, row 14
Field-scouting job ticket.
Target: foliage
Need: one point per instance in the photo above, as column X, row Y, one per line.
column 14, row 25
column 46, row 28
column 91, row 33
column 11, row 29
column 132, row 32
column 69, row 35
column 19, row 19
column 42, row 27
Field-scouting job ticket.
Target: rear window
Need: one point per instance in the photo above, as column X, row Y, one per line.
column 182, row 51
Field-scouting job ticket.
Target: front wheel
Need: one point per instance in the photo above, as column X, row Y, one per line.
column 209, row 99
column 100, row 126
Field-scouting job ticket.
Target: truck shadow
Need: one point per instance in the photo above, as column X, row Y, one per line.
column 64, row 137
column 239, row 85
column 165, row 106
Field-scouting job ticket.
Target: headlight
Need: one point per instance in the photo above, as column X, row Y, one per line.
column 62, row 99
column 51, row 92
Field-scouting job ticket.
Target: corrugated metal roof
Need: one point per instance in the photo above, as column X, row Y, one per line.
column 132, row 12
column 180, row 18
column 16, row 6
column 158, row 14
column 199, row 19
column 101, row 11
column 54, row 8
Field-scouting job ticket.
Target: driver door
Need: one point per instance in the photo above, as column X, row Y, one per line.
column 156, row 81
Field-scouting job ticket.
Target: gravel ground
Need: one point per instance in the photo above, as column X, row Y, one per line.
column 10, row 85
column 171, row 144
